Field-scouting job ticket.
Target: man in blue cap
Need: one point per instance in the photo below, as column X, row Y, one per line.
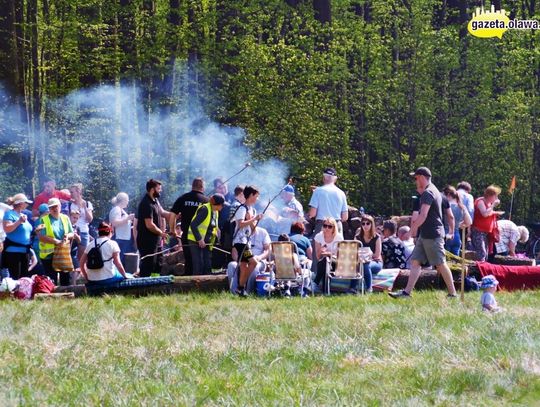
column 293, row 209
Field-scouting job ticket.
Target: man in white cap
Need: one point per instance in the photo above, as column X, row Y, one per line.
column 510, row 235
column 328, row 201
column 428, row 227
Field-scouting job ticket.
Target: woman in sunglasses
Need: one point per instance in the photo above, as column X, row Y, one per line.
column 325, row 247
column 368, row 236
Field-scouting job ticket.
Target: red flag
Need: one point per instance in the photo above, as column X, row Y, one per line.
column 512, row 185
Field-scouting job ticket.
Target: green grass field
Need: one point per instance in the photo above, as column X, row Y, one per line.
column 220, row 350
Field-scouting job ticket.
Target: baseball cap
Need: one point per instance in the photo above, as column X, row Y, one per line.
column 421, row 171
column 53, row 202
column 489, row 281
column 330, row 171
column 43, row 208
column 218, row 199
column 289, row 189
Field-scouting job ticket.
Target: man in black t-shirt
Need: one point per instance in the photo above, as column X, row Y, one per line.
column 184, row 209
column 149, row 232
column 429, row 229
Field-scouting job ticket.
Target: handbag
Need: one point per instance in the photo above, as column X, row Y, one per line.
column 62, row 258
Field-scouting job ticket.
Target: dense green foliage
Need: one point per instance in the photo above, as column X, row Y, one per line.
column 374, row 88
column 220, row 350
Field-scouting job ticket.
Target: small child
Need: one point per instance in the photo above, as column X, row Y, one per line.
column 489, row 285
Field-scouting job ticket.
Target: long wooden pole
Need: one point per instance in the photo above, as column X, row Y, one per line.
column 511, row 206
column 463, row 273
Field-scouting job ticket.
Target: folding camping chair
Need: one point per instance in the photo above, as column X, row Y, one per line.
column 347, row 264
column 284, row 266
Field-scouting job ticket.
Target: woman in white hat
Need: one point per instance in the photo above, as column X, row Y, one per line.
column 56, row 230
column 18, row 234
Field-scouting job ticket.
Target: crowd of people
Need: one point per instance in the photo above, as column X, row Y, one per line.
column 229, row 226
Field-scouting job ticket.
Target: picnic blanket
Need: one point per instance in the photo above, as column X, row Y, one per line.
column 97, row 288
column 384, row 280
column 512, row 277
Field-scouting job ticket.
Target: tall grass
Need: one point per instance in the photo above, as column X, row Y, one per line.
column 220, row 350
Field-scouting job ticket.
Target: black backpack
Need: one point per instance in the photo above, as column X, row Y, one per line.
column 94, row 258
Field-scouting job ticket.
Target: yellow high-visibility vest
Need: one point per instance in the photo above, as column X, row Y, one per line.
column 46, row 249
column 203, row 227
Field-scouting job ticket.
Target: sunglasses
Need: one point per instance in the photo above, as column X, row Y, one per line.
column 326, row 226
column 366, row 223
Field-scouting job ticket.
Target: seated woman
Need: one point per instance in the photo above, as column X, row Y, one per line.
column 110, row 252
column 368, row 236
column 326, row 247
column 302, row 242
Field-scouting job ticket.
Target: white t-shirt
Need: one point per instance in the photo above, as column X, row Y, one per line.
column 82, row 224
column 332, row 246
column 121, row 232
column 107, row 249
column 259, row 239
column 241, row 235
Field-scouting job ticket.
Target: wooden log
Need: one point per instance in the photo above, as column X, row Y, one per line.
column 429, row 279
column 513, row 261
column 79, row 290
column 173, row 264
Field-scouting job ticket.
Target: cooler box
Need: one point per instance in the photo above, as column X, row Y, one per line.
column 261, row 280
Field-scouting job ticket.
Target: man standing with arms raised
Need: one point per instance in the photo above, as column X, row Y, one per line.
column 429, row 229
column 149, row 232
column 184, row 209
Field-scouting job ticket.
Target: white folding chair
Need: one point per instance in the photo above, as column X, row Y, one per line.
column 347, row 264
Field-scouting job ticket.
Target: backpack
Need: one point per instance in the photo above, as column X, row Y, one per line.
column 94, row 258
column 230, row 225
column 42, row 284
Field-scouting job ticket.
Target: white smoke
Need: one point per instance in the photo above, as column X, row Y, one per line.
column 111, row 131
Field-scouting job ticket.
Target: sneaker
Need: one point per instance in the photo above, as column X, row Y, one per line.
column 400, row 294
column 241, row 293
column 352, row 291
column 287, row 293
column 452, row 296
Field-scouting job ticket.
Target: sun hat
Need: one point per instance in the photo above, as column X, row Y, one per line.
column 53, row 202
column 20, row 198
column 489, row 281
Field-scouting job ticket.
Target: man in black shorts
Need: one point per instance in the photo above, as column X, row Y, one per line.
column 429, row 228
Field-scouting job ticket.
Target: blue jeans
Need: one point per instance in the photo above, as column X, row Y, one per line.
column 232, row 275
column 116, row 279
column 454, row 245
column 125, row 247
column 84, row 239
column 202, row 260
column 370, row 269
